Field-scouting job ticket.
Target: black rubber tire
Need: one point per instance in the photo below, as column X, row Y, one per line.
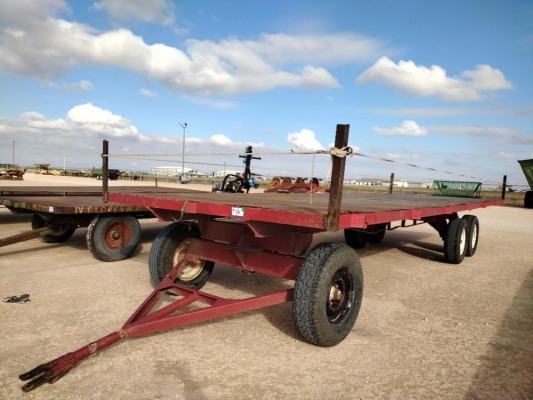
column 113, row 237
column 330, row 269
column 455, row 242
column 472, row 234
column 166, row 249
column 377, row 236
column 355, row 239
column 528, row 199
column 59, row 236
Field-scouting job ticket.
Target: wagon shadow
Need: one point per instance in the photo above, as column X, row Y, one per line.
column 415, row 244
column 77, row 241
column 10, row 218
column 505, row 370
column 239, row 284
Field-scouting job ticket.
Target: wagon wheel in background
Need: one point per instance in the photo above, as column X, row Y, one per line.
column 355, row 238
column 169, row 247
column 57, row 234
column 113, row 237
column 328, row 293
column 376, row 236
column 472, row 234
column 455, row 241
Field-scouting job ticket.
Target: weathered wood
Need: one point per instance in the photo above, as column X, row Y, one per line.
column 337, row 179
column 105, row 171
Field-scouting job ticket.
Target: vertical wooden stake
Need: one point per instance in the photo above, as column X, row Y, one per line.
column 105, row 170
column 504, row 186
column 337, row 179
column 391, row 184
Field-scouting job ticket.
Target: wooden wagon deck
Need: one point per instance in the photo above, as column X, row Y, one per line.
column 357, row 210
column 72, row 199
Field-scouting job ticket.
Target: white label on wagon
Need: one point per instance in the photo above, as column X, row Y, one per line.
column 237, row 211
column 51, row 209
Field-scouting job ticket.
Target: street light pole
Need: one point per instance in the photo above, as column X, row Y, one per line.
column 184, row 126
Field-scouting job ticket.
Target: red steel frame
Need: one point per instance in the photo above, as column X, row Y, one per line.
column 149, row 319
column 268, row 240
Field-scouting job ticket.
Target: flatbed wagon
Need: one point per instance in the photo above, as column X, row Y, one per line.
column 272, row 234
column 57, row 211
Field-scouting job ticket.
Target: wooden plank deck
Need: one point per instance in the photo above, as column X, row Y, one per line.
column 81, row 190
column 357, row 210
column 74, row 200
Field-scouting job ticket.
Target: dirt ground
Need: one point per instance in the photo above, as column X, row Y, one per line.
column 426, row 330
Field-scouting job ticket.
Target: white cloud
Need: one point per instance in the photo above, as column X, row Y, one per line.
column 81, row 86
column 220, row 140
column 220, row 104
column 35, row 41
column 404, row 155
column 407, row 128
column 147, row 93
column 32, row 116
column 304, row 141
column 80, row 132
column 472, row 85
column 158, row 11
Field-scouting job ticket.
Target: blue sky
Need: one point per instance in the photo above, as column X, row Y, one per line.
column 447, row 85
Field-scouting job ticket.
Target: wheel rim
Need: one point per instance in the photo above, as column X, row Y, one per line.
column 190, row 270
column 474, row 236
column 118, row 235
column 340, row 296
column 462, row 241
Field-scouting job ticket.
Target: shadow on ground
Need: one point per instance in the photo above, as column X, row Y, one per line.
column 506, row 370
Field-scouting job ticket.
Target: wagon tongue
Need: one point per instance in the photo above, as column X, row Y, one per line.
column 56, row 369
column 46, row 373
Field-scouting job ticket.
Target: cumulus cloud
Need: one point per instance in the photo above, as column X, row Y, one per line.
column 407, row 128
column 304, row 141
column 418, row 80
column 157, row 11
column 221, row 140
column 36, row 41
column 80, row 132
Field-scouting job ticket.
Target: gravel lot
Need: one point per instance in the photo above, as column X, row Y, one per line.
column 426, row 330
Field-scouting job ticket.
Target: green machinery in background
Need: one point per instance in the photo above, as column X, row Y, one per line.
column 527, row 167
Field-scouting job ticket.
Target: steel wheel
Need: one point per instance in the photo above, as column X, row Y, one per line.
column 340, row 296
column 191, row 270
column 113, row 237
column 169, row 247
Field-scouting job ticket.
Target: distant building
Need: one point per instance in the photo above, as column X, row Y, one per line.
column 222, row 174
column 402, row 184
column 170, row 171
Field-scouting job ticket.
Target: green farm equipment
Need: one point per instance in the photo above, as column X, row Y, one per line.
column 457, row 189
column 527, row 167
